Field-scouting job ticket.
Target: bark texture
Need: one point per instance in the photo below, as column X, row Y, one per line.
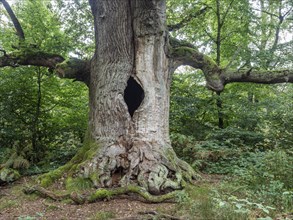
column 131, row 132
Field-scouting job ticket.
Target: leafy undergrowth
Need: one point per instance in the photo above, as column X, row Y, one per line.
column 225, row 199
column 214, row 197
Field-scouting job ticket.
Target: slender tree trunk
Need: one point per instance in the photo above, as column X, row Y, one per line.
column 35, row 122
column 219, row 101
column 129, row 99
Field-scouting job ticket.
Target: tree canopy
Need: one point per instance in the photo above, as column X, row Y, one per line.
column 223, row 40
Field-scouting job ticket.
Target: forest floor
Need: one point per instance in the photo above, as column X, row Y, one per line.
column 14, row 204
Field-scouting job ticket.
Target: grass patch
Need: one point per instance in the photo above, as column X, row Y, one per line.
column 103, row 215
column 5, row 204
column 204, row 202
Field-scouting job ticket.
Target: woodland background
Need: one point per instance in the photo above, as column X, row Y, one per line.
column 244, row 135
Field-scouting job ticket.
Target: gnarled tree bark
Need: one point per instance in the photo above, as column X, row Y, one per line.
column 129, row 96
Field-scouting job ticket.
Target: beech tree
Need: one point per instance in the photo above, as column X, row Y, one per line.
column 129, row 80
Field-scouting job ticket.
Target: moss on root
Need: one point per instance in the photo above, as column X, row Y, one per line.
column 187, row 172
column 101, row 194
column 85, row 153
column 8, row 175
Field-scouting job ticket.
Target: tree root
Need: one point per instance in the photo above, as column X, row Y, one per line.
column 45, row 193
column 158, row 215
column 101, row 194
column 150, row 215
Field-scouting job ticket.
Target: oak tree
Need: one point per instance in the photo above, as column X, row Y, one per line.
column 129, row 79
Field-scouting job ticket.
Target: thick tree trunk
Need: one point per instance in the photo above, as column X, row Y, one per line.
column 129, row 100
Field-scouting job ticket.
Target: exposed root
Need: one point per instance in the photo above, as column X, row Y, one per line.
column 150, row 215
column 101, row 194
column 158, row 215
column 45, row 193
column 126, row 162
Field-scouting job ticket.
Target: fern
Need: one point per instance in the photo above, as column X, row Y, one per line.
column 17, row 162
column 79, row 183
column 10, row 161
column 21, row 163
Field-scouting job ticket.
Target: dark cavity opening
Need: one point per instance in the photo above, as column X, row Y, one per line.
column 133, row 95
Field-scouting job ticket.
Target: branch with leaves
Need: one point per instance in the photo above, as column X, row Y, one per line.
column 14, row 20
column 72, row 68
column 26, row 55
column 187, row 19
column 183, row 53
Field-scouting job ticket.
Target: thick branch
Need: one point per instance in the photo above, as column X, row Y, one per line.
column 27, row 57
column 14, row 20
column 71, row 68
column 183, row 53
column 74, row 69
column 258, row 76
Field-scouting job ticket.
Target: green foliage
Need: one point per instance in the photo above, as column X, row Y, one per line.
column 241, row 206
column 8, row 175
column 4, row 204
column 249, row 34
column 270, row 178
column 217, row 155
column 201, row 203
column 273, row 166
column 46, row 114
column 38, row 215
column 31, row 130
column 78, row 183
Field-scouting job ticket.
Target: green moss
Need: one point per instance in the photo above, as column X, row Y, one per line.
column 108, row 193
column 85, row 153
column 101, row 194
column 103, row 216
column 79, row 183
column 8, row 175
column 209, row 61
column 47, row 179
column 94, row 178
column 183, row 51
column 5, row 204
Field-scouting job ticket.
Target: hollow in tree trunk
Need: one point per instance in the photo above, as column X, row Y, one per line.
column 129, row 100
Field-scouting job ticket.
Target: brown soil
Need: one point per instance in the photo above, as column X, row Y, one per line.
column 14, row 204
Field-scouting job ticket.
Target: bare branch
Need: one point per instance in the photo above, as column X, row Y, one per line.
column 71, row 68
column 226, row 13
column 269, row 13
column 258, row 76
column 14, row 20
column 76, row 69
column 27, row 57
column 183, row 53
